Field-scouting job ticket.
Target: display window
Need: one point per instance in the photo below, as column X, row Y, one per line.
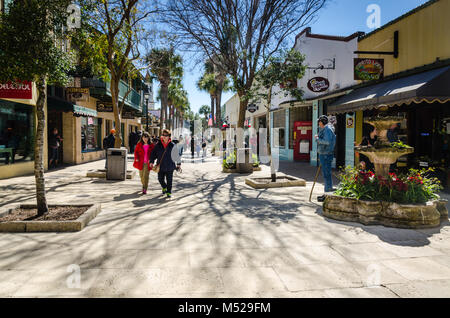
column 17, row 133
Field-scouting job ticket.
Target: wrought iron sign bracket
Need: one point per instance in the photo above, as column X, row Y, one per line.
column 396, row 48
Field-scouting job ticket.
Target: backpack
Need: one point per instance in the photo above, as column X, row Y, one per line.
column 105, row 143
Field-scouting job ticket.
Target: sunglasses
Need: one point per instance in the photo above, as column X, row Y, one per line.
column 166, row 135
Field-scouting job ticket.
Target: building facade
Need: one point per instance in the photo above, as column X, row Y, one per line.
column 410, row 80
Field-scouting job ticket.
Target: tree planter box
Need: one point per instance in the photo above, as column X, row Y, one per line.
column 282, row 182
column 412, row 216
column 51, row 226
column 101, row 173
column 236, row 170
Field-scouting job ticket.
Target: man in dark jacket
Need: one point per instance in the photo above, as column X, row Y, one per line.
column 109, row 143
column 167, row 154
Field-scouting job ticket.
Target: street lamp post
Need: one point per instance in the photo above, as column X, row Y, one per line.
column 146, row 97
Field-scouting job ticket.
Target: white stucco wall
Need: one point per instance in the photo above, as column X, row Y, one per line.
column 323, row 51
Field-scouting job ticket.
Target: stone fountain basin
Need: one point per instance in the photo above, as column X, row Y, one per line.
column 383, row 155
column 408, row 216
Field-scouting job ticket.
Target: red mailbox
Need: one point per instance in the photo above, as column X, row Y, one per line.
column 302, row 140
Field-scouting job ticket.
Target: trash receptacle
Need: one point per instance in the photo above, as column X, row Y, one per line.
column 117, row 164
column 244, row 162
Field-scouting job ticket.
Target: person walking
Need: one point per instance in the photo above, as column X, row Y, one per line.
column 54, row 143
column 166, row 153
column 204, row 147
column 326, row 141
column 197, row 148
column 192, row 147
column 142, row 155
column 109, row 142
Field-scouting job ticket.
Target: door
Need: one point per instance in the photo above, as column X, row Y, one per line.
column 54, row 120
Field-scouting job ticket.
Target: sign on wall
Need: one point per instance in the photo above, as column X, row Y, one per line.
column 252, row 108
column 77, row 94
column 350, row 122
column 16, row 90
column 368, row 69
column 127, row 115
column 318, row 84
column 104, row 107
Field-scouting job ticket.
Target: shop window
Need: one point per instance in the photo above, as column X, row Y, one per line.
column 279, row 121
column 16, row 133
column 281, row 138
column 108, row 125
column 90, row 131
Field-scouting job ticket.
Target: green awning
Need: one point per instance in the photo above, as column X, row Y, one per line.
column 84, row 111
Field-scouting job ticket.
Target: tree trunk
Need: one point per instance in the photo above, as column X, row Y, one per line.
column 273, row 173
column 41, row 198
column 218, row 109
column 242, row 109
column 164, row 93
column 117, row 116
column 212, row 112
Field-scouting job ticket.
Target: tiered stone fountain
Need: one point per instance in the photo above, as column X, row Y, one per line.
column 382, row 155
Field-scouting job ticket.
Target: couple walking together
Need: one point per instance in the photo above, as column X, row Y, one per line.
column 165, row 152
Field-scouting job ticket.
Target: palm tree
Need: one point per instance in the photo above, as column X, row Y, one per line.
column 208, row 84
column 177, row 101
column 165, row 65
column 215, row 82
column 205, row 110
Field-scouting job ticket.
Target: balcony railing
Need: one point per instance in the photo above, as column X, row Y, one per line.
column 100, row 87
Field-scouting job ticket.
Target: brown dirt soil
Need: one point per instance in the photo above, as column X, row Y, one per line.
column 269, row 180
column 62, row 213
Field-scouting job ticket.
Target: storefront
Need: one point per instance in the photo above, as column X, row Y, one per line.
column 422, row 100
column 18, row 130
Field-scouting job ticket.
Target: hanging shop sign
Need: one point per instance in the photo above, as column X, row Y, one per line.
column 104, row 107
column 318, row 84
column 16, row 90
column 350, row 122
column 368, row 69
column 252, row 108
column 127, row 115
column 77, row 94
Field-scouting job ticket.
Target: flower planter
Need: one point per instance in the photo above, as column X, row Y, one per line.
column 369, row 211
column 441, row 206
column 411, row 216
column 340, row 208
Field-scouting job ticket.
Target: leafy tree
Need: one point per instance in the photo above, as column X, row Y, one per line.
column 282, row 71
column 244, row 33
column 29, row 53
column 110, row 42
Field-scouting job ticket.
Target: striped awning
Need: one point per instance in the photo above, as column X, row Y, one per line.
column 84, row 111
column 430, row 87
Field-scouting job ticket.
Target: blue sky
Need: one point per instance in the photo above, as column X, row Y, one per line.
column 340, row 17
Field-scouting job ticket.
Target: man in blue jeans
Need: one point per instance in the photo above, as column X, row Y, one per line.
column 326, row 141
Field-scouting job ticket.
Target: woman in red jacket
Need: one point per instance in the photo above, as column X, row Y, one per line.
column 142, row 154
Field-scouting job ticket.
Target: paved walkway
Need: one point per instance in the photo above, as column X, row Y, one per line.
column 217, row 237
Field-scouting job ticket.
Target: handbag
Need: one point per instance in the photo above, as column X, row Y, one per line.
column 156, row 168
